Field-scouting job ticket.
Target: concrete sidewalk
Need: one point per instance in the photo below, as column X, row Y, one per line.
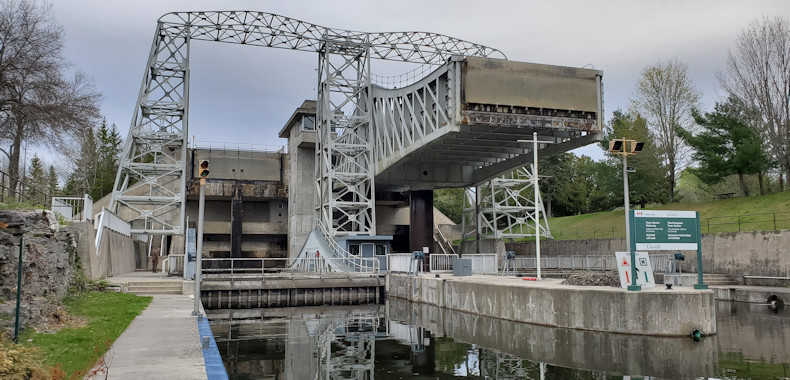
column 161, row 343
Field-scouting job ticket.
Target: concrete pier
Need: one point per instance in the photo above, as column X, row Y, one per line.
column 654, row 312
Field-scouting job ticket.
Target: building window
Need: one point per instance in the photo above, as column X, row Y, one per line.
column 308, row 123
column 381, row 249
column 279, row 214
column 353, row 249
column 280, row 205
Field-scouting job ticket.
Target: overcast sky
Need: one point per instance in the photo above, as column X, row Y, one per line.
column 245, row 94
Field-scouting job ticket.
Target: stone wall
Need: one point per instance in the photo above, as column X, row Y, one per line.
column 48, row 257
column 764, row 253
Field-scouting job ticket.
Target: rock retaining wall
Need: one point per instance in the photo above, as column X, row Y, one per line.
column 48, row 265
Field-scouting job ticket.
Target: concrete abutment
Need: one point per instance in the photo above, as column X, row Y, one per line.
column 653, row 312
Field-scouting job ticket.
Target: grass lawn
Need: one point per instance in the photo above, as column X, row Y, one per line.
column 755, row 213
column 76, row 349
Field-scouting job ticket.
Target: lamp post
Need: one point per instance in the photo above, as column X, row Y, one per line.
column 627, row 148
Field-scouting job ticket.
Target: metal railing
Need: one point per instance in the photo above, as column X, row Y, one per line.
column 344, row 259
column 441, row 262
column 402, row 80
column 21, row 191
column 774, row 221
column 107, row 219
column 399, row 262
column 483, row 263
column 77, row 209
column 239, row 147
column 241, row 268
column 173, row 264
column 445, row 245
column 661, row 263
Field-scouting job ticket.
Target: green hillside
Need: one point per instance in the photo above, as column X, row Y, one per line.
column 756, row 213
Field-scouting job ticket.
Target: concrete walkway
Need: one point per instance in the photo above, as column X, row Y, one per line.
column 161, row 343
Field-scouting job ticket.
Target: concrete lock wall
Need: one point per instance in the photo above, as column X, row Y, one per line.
column 762, row 253
column 116, row 254
column 606, row 309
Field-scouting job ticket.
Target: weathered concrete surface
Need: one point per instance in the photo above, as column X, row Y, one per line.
column 120, row 251
column 662, row 357
column 656, row 311
column 86, row 248
column 116, row 254
column 161, row 343
column 765, row 253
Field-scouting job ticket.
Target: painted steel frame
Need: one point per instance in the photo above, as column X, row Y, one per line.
column 504, row 207
column 149, row 189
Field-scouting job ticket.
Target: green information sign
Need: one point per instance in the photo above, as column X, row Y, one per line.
column 665, row 230
column 654, row 230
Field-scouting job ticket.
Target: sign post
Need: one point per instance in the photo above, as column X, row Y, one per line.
column 662, row 230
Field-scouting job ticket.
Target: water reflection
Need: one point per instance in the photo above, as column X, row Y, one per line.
column 754, row 341
column 401, row 340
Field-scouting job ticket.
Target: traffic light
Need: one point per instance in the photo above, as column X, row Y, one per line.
column 203, row 169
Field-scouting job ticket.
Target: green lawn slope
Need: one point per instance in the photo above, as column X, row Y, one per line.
column 756, row 213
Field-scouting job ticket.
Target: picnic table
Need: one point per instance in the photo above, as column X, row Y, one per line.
column 725, row 195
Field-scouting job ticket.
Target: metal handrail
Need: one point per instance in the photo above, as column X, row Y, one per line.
column 440, row 262
column 352, row 262
column 661, row 262
column 171, row 263
column 442, row 240
column 260, row 267
column 17, row 195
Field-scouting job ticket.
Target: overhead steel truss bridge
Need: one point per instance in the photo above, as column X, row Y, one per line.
column 457, row 125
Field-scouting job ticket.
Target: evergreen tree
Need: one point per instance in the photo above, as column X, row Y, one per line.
column 726, row 146
column 36, row 182
column 109, row 150
column 52, row 181
column 96, row 164
column 83, row 178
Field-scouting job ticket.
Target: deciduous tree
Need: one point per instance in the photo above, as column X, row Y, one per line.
column 665, row 97
column 39, row 103
column 758, row 75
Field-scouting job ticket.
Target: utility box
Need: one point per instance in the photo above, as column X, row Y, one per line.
column 462, row 267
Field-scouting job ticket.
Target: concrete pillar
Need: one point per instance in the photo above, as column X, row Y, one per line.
column 236, row 221
column 421, row 220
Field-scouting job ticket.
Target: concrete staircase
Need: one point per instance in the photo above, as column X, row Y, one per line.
column 713, row 279
column 147, row 288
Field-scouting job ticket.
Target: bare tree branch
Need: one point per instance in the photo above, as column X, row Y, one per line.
column 38, row 103
column 758, row 76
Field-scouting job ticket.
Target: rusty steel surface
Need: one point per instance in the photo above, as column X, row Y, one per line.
column 502, row 82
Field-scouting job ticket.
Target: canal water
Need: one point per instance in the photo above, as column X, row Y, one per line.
column 402, row 340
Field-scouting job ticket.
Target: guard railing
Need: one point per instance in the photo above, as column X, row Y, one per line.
column 223, row 268
column 441, row 262
column 661, row 263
